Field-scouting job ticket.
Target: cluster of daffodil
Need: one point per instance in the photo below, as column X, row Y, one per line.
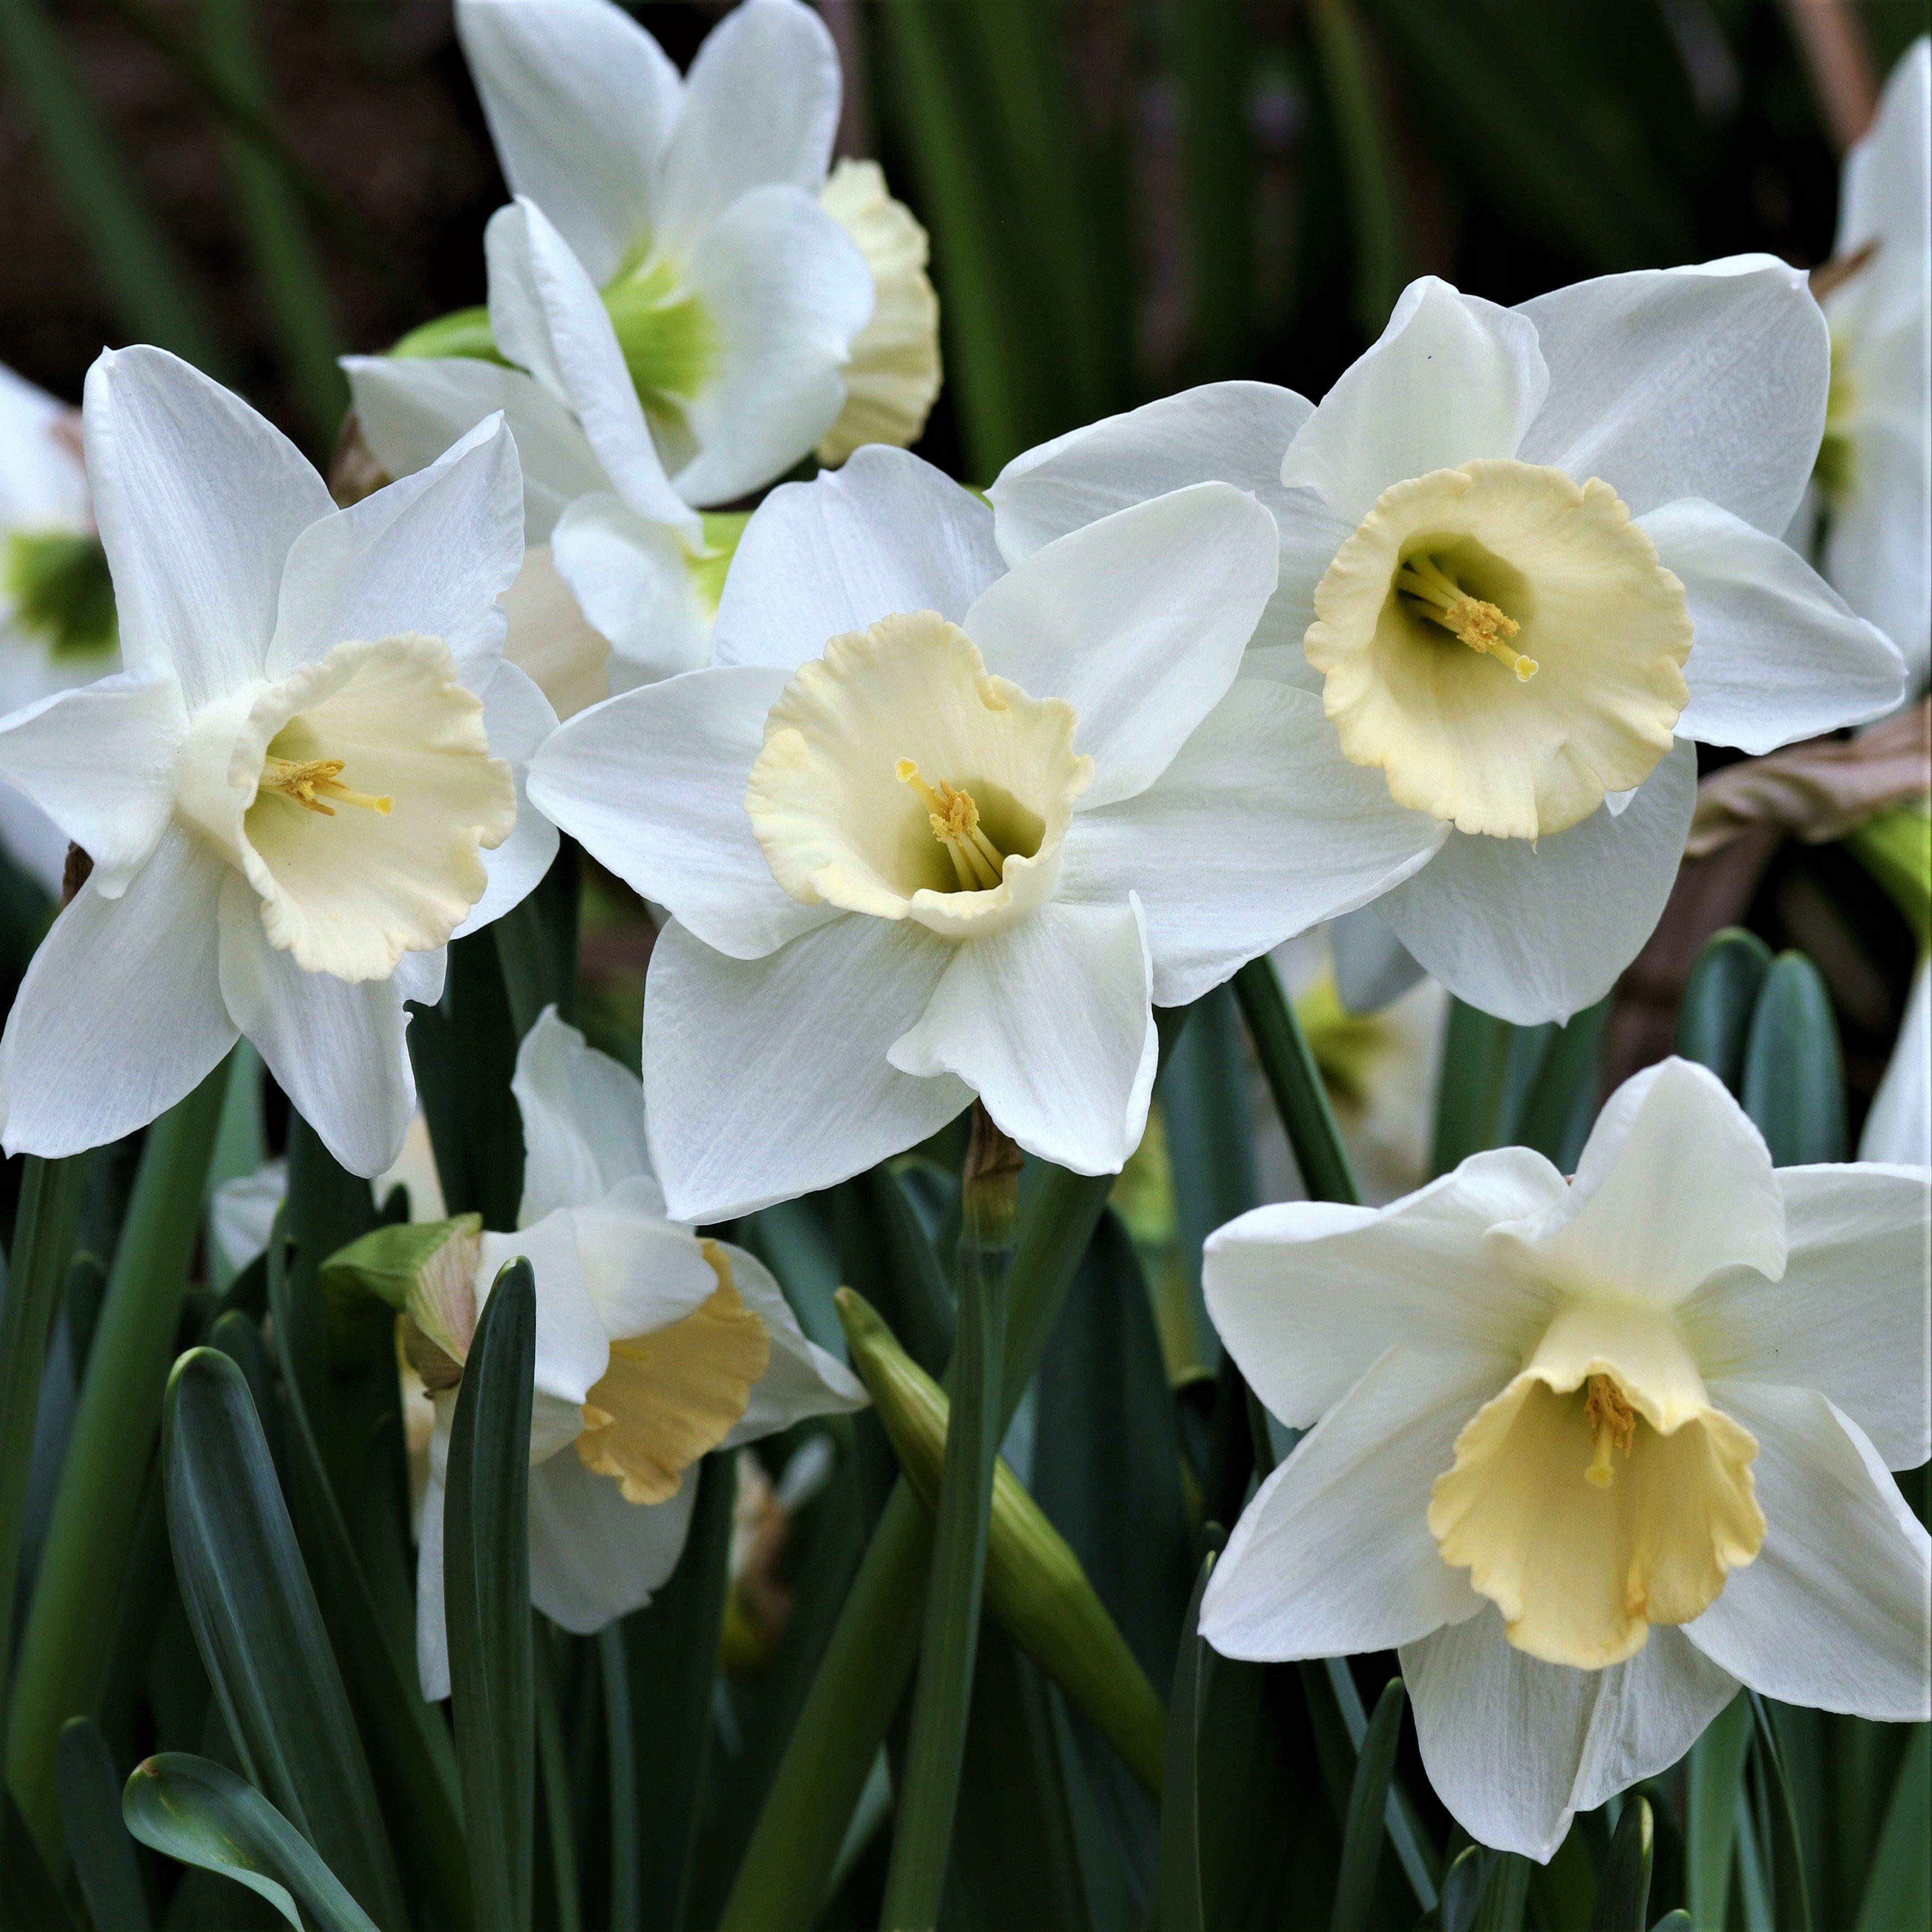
column 945, row 793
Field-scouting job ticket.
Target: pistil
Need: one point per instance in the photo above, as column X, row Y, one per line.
column 1471, row 620
column 1613, row 1424
column 955, row 819
column 310, row 782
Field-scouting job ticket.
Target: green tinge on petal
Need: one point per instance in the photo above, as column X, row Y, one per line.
column 670, row 344
column 722, row 529
column 59, row 584
column 465, row 331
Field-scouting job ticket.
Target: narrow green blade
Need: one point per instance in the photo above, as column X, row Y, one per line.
column 1368, row 1813
column 1794, row 1080
column 1714, row 1021
column 98, row 1847
column 1623, row 1887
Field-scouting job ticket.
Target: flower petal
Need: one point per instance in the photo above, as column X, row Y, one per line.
column 1138, row 622
column 1875, row 548
column 43, row 485
column 1883, row 195
column 1334, row 1555
column 517, row 717
column 100, row 761
column 1307, row 1293
column 1899, row 1127
column 335, row 1047
column 1850, row 1316
column 198, row 499
column 1258, row 829
column 768, row 1078
column 583, row 1120
column 1833, row 1612
column 1515, row 1746
column 1706, row 381
column 119, row 1015
column 1776, row 655
column 594, row 1556
column 1535, row 932
column 1453, row 377
column 632, row 580
column 1674, row 1185
column 1049, row 1023
column 573, row 1347
column 802, row 1380
column 786, row 290
column 1373, row 969
column 652, row 783
column 887, row 533
column 581, row 103
column 411, row 409
column 761, row 104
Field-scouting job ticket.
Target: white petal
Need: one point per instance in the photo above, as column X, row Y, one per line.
column 768, row 1078
column 1833, row 1613
column 1776, row 655
column 1883, row 194
column 786, row 290
column 1334, row 1554
column 573, row 1347
column 593, row 1556
column 583, row 1120
column 1899, row 1127
column 518, row 717
column 581, row 102
column 802, row 1380
column 430, row 554
column 43, row 485
column 1875, row 549
column 335, row 1047
column 1259, row 829
column 1515, row 1747
column 546, row 315
column 652, row 784
column 1538, row 932
column 1138, row 622
column 419, row 978
column 761, row 104
column 198, row 500
column 33, row 840
column 1307, row 1293
column 99, row 762
column 632, row 578
column 1453, row 377
column 887, row 533
column 432, row 1631
column 411, row 409
column 642, row 1273
column 1850, row 1315
column 1706, row 381
column 119, row 1015
column 1049, row 1023
column 1373, row 969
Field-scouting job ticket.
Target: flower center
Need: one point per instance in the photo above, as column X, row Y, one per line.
column 670, row 344
column 1436, row 595
column 955, row 819
column 1613, row 1425
column 312, row 782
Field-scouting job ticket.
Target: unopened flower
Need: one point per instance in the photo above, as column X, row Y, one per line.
column 653, row 1348
column 1528, row 557
column 1591, row 1454
column 931, row 828
column 300, row 788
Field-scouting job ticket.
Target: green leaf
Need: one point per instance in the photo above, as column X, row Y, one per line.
column 101, row 1853
column 1469, row 1085
column 1898, row 1891
column 1501, row 1910
column 626, row 1899
column 883, row 1251
column 1463, row 1885
column 1792, row 1902
column 1556, row 1112
column 1715, row 1771
column 564, row 1906
column 1295, row 1082
column 1714, row 1022
column 1678, row 1921
column 1623, row 1887
column 260, row 1632
column 1182, row 1901
column 1794, row 1082
column 1368, row 1811
column 30, row 1901
column 202, row 1814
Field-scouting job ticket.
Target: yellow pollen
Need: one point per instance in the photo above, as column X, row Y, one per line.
column 1473, row 621
column 955, row 819
column 310, row 781
column 1613, row 1424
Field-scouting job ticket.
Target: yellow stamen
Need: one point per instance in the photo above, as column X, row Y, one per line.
column 955, row 819
column 1613, row 1424
column 1471, row 620
column 303, row 779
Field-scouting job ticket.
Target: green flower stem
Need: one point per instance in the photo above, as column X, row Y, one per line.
column 72, row 1618
column 1295, row 1082
column 923, row 1836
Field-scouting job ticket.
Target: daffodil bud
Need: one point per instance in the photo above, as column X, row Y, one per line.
column 427, row 1271
column 1035, row 1584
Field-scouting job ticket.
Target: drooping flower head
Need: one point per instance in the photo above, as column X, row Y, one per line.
column 1591, row 1454
column 300, row 788
column 1528, row 557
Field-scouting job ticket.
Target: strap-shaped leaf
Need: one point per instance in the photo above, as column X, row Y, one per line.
column 1794, row 1084
column 1715, row 1775
column 1182, row 1904
column 201, row 1813
column 1368, row 1813
column 1623, row 1888
column 1714, row 1021
column 260, row 1632
column 1792, row 1899
column 1899, row 1890
column 98, row 1847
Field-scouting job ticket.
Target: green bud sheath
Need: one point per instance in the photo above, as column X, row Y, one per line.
column 424, row 1270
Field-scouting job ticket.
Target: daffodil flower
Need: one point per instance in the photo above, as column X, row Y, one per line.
column 1528, row 557
column 932, row 828
column 1874, row 471
column 1591, row 1454
column 303, row 784
column 653, row 1347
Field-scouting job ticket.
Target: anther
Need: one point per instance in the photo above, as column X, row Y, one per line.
column 1471, row 620
column 955, row 819
column 310, row 781
column 1613, row 1425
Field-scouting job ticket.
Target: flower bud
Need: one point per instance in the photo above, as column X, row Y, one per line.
column 426, row 1270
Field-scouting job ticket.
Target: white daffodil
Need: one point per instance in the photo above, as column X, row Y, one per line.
column 930, row 827
column 303, row 784
column 653, row 1347
column 1874, row 471
column 1899, row 1127
column 1528, row 557
column 1591, row 1454
column 56, row 601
